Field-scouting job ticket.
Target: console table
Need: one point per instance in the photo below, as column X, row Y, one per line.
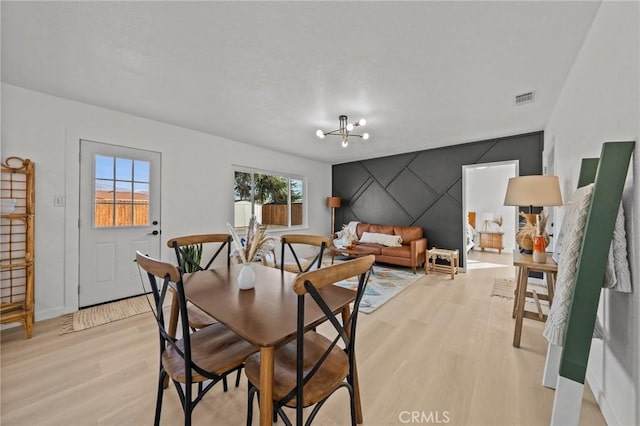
column 491, row 240
column 525, row 264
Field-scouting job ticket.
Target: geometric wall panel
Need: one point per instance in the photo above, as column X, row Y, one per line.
column 415, row 202
column 368, row 202
column 424, row 188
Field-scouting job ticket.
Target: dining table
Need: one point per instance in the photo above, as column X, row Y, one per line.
column 265, row 316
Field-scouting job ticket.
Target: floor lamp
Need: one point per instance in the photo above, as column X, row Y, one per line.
column 334, row 203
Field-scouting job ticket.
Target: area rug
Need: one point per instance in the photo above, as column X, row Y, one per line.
column 505, row 287
column 106, row 313
column 383, row 285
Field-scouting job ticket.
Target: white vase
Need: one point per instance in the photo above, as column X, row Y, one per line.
column 246, row 277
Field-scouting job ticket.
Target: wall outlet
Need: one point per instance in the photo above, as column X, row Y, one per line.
column 58, row 200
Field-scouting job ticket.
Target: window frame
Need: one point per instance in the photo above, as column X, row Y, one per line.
column 289, row 177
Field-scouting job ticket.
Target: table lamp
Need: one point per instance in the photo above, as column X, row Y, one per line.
column 333, row 202
column 487, row 219
column 532, row 191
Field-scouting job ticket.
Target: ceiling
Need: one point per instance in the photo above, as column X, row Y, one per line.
column 423, row 74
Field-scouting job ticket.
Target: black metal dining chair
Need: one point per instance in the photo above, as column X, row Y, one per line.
column 208, row 354
column 295, row 243
column 309, row 369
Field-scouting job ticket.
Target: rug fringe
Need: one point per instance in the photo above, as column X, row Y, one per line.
column 67, row 324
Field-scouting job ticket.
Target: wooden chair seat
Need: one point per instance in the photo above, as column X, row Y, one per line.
column 215, row 349
column 332, row 372
column 198, row 318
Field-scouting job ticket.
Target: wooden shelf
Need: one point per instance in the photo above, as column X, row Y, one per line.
column 17, row 245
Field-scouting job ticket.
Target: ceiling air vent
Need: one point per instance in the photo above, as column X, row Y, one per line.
column 525, row 98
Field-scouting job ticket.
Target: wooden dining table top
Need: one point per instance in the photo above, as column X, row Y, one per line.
column 265, row 315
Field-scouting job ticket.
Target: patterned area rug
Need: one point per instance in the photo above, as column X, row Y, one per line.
column 505, row 287
column 103, row 314
column 383, row 285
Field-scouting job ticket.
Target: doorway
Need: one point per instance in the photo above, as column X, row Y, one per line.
column 119, row 214
column 483, row 190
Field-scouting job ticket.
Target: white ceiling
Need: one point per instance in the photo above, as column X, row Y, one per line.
column 423, row 74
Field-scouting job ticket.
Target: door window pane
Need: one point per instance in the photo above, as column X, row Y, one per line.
column 121, row 192
column 141, row 171
column 104, row 167
column 124, row 169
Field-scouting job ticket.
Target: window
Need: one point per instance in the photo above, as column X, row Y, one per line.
column 121, row 192
column 276, row 200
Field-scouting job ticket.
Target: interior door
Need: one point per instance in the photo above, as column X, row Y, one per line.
column 119, row 214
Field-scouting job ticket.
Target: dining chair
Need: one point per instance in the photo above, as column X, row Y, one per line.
column 205, row 355
column 299, row 242
column 199, row 319
column 188, row 262
column 309, row 369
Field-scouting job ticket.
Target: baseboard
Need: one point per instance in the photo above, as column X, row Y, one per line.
column 51, row 313
column 39, row 316
column 598, row 394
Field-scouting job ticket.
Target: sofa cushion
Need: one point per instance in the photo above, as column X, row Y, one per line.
column 408, row 233
column 403, row 251
column 381, row 229
column 375, row 248
column 384, row 239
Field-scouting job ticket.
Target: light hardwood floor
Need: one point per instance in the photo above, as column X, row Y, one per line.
column 442, row 348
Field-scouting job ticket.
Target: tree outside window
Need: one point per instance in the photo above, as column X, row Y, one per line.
column 277, row 201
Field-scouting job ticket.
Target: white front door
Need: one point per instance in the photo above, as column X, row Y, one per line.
column 119, row 214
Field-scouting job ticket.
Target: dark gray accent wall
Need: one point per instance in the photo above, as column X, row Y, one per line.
column 424, row 188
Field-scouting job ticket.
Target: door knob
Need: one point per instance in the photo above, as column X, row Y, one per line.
column 153, row 233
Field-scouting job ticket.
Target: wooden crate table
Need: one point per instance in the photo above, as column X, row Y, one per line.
column 452, row 255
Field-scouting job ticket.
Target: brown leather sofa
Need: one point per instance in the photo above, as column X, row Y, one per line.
column 411, row 253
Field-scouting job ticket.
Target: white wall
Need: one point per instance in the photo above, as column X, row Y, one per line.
column 484, row 193
column 47, row 130
column 600, row 102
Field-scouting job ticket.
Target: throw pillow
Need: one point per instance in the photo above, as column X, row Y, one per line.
column 384, row 239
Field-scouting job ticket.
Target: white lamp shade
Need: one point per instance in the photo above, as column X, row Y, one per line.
column 537, row 190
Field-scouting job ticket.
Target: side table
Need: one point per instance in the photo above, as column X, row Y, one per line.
column 452, row 255
column 525, row 264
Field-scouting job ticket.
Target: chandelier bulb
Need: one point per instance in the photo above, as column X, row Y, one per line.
column 345, row 143
column 320, row 134
column 362, row 122
column 365, row 136
column 349, row 127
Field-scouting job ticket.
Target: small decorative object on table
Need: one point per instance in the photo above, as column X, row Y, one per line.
column 255, row 243
column 539, row 242
column 498, row 221
column 535, row 225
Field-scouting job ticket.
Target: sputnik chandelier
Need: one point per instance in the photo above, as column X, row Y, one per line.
column 345, row 130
